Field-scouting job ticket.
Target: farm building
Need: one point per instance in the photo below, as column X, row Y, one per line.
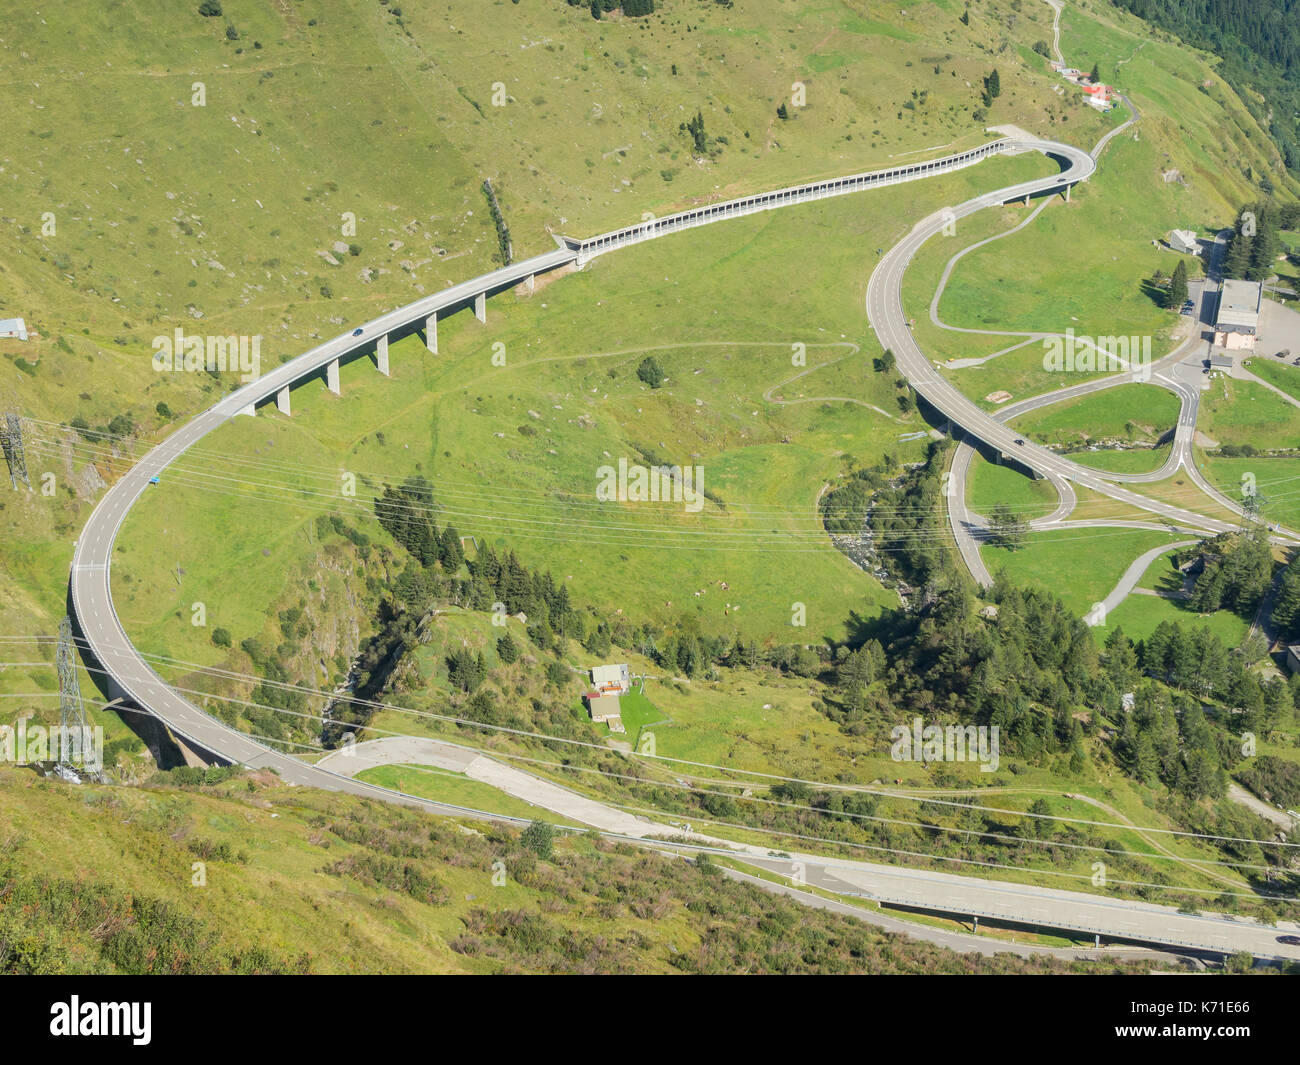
column 1293, row 658
column 603, row 707
column 13, row 327
column 1099, row 96
column 1237, row 322
column 612, row 678
column 1184, row 240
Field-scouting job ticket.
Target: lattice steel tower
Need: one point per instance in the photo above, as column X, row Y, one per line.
column 11, row 439
column 72, row 712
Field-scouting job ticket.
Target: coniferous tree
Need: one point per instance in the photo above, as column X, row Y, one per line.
column 507, row 649
column 1178, row 286
column 1006, row 528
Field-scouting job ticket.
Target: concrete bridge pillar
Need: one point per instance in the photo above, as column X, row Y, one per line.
column 531, row 282
column 282, row 400
column 381, row 354
column 250, row 410
column 480, row 307
column 332, row 377
column 1067, row 193
column 431, row 333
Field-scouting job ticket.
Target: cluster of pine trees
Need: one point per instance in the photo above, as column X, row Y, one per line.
column 1027, row 668
column 1238, row 570
column 992, row 87
column 1200, row 663
column 1032, row 668
column 1286, row 607
column 498, row 219
column 1256, row 241
column 908, row 522
column 630, row 8
column 695, row 129
column 1175, row 746
column 406, row 512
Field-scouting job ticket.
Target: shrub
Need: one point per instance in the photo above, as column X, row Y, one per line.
column 539, row 837
column 651, row 372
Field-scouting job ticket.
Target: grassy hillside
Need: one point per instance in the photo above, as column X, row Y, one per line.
column 286, row 170
column 159, row 174
column 319, row 116
column 248, row 876
column 1195, row 155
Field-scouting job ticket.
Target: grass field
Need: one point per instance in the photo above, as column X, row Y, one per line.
column 1277, row 480
column 1139, row 615
column 1282, row 374
column 1079, row 565
column 989, row 484
column 1243, row 412
column 1133, row 413
column 1131, row 460
column 514, row 451
column 637, row 712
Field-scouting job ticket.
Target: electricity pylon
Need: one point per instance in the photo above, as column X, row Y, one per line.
column 72, row 711
column 11, row 440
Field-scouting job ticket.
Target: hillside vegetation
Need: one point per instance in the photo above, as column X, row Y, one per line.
column 245, row 876
column 289, row 170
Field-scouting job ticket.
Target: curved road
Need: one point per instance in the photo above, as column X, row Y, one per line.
column 130, row 677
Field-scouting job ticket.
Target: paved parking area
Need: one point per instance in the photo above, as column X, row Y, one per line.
column 1279, row 329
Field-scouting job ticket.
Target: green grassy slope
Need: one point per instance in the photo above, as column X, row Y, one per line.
column 247, row 876
column 220, row 217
